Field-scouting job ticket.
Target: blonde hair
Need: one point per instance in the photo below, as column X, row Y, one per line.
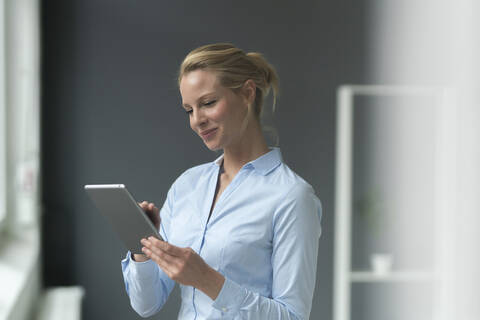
column 234, row 67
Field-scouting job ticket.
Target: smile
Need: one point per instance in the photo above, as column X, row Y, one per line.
column 207, row 134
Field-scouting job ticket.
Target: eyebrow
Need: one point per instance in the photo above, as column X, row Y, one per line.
column 185, row 105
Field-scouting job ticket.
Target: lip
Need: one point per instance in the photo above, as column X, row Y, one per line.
column 208, row 133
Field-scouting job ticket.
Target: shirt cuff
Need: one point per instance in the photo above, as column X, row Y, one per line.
column 230, row 298
column 141, row 270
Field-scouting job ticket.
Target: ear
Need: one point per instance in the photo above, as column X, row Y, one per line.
column 249, row 90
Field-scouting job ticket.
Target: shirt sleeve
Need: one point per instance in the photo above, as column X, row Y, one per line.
column 147, row 286
column 297, row 228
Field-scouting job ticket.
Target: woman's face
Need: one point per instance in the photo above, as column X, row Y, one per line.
column 216, row 113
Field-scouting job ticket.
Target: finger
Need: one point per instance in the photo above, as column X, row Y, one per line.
column 167, row 247
column 152, row 215
column 166, row 267
column 149, row 244
column 150, row 208
column 162, row 255
column 154, row 210
column 168, row 263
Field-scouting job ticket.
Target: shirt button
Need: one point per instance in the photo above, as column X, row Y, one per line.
column 224, row 309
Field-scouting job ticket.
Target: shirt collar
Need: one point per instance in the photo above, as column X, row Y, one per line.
column 263, row 164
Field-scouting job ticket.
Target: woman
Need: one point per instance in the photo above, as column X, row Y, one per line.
column 241, row 233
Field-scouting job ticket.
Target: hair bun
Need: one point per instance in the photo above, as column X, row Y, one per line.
column 268, row 71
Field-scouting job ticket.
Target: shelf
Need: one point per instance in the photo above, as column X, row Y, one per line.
column 395, row 276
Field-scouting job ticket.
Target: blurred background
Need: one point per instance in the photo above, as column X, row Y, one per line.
column 378, row 110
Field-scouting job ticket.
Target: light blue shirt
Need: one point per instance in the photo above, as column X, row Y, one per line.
column 262, row 237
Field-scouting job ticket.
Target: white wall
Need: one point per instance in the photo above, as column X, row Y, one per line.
column 437, row 43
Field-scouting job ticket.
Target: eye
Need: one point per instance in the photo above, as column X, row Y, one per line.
column 209, row 103
column 189, row 111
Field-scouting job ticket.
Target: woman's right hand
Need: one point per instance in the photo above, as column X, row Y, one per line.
column 153, row 214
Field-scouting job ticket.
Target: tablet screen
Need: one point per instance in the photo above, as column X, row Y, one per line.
column 126, row 217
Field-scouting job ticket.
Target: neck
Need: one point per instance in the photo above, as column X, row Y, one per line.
column 251, row 146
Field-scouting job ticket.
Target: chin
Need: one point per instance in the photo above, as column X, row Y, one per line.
column 214, row 147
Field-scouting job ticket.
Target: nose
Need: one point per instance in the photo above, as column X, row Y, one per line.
column 198, row 119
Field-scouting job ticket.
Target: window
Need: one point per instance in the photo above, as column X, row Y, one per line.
column 19, row 113
column 19, row 150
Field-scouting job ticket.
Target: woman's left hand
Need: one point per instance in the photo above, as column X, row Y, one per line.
column 184, row 266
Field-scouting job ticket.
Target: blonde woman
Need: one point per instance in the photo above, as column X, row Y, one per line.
column 241, row 233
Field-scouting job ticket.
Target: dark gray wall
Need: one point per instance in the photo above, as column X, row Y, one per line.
column 111, row 114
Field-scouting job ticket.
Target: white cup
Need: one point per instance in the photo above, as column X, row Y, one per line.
column 381, row 263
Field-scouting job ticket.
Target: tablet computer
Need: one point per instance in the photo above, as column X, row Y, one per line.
column 126, row 217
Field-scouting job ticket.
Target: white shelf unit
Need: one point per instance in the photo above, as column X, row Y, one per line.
column 3, row 122
column 439, row 277
column 396, row 276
